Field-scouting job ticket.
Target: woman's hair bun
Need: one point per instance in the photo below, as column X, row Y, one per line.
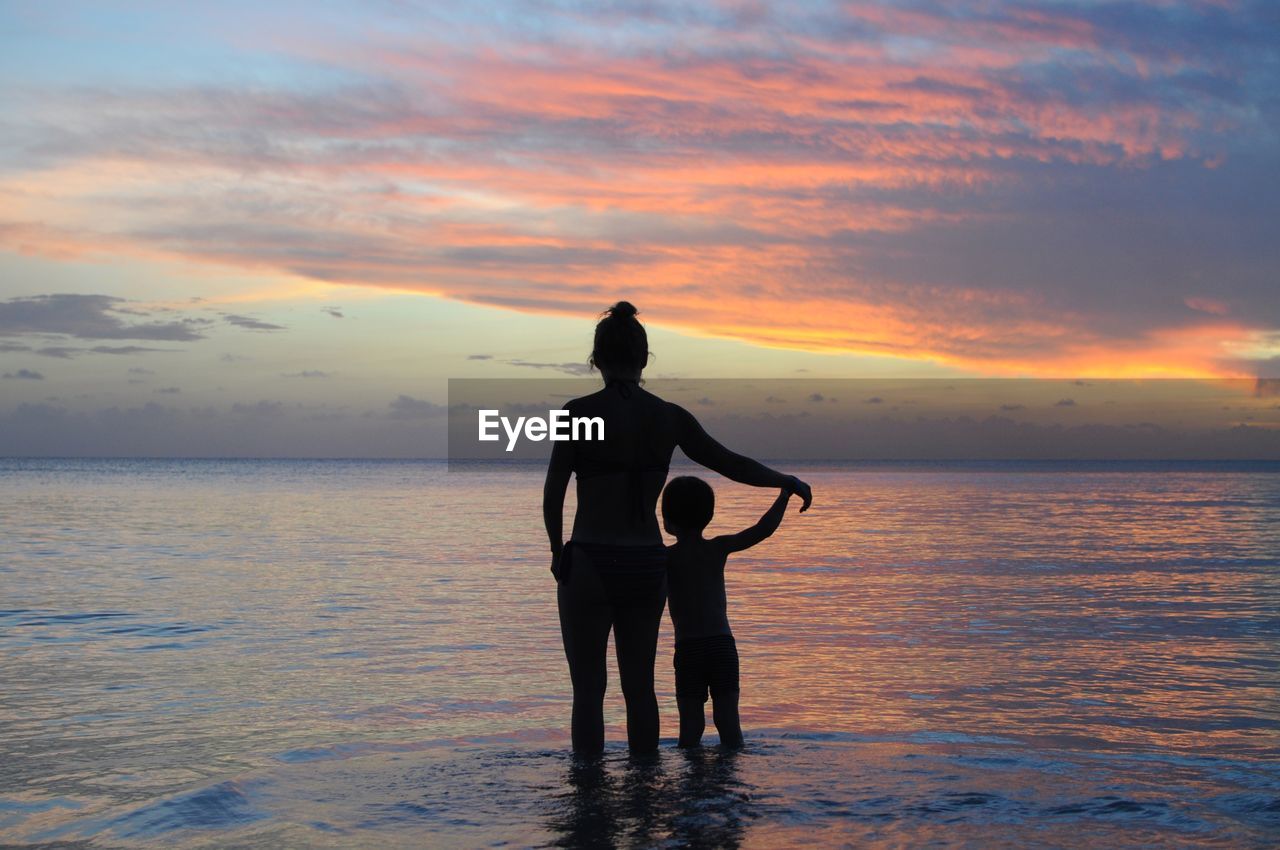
column 621, row 345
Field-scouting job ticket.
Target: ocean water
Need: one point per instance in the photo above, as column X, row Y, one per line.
column 357, row 654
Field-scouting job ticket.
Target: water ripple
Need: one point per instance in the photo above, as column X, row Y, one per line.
column 303, row 653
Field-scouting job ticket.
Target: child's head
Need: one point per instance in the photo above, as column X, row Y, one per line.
column 687, row 505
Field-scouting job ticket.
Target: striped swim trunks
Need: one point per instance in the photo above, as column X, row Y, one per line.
column 706, row 664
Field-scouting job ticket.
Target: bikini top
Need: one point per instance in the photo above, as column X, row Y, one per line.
column 588, row 467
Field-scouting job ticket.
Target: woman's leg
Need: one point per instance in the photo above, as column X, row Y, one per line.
column 585, row 619
column 636, row 638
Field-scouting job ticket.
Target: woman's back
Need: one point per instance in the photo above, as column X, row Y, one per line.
column 620, row 477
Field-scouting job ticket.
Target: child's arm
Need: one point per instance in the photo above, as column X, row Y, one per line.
column 765, row 527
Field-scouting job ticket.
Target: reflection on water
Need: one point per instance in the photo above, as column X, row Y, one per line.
column 690, row 797
column 346, row 654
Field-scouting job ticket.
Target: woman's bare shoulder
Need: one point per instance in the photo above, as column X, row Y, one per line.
column 583, row 400
column 682, row 420
column 660, row 402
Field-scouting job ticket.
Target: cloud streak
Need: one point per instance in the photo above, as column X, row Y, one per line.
column 89, row 317
column 250, row 323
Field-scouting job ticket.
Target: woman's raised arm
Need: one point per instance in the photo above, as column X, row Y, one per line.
column 702, row 448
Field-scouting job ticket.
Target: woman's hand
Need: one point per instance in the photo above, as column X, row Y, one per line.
column 556, row 553
column 804, row 491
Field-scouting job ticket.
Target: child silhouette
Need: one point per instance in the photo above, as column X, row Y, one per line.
column 706, row 655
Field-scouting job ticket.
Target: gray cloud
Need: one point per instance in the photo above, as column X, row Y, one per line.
column 264, row 408
column 250, row 323
column 570, row 368
column 307, row 373
column 88, row 317
column 59, row 351
column 1087, row 239
column 25, row 375
column 408, row 407
column 507, row 256
column 66, row 352
column 124, row 349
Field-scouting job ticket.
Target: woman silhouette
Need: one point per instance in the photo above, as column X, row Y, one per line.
column 612, row 572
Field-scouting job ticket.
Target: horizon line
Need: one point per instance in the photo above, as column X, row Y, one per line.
column 683, row 462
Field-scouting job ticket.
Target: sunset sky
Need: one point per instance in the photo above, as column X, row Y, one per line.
column 280, row 227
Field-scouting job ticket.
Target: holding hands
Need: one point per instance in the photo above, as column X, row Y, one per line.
column 798, row 488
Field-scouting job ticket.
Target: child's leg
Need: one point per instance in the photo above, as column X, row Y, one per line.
column 724, row 711
column 691, row 693
column 724, row 692
column 692, row 720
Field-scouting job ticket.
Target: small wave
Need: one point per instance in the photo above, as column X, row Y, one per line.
column 224, row 806
column 1109, row 806
column 79, row 617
